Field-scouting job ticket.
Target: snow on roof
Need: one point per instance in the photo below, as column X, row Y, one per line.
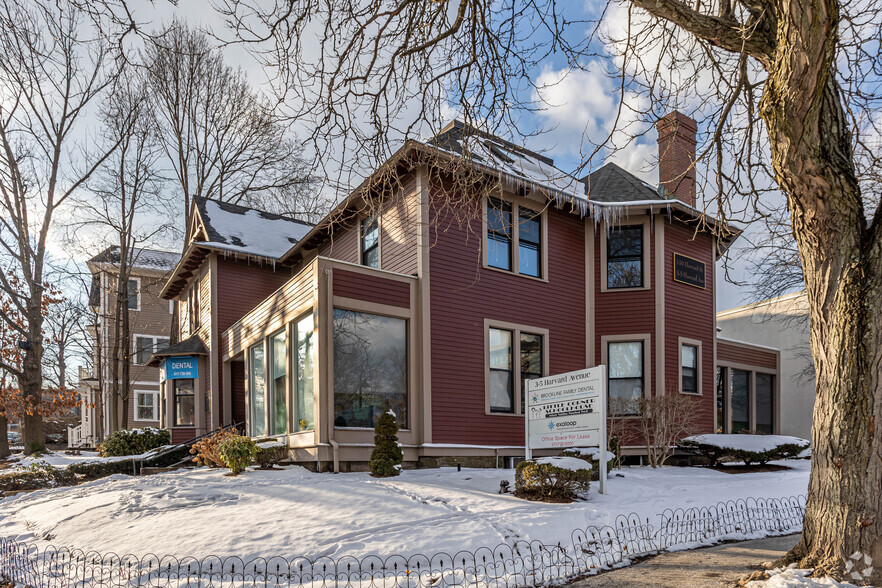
column 515, row 164
column 141, row 258
column 246, row 230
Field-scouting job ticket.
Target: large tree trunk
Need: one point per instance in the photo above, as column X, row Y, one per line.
column 30, row 381
column 813, row 161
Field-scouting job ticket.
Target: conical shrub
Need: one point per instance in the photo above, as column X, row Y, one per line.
column 387, row 455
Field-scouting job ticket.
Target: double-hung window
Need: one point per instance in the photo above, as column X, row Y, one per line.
column 193, row 305
column 147, row 345
column 624, row 257
column 499, row 234
column 370, row 241
column 514, row 356
column 133, row 291
column 514, row 238
column 689, row 368
column 626, row 377
column 147, row 408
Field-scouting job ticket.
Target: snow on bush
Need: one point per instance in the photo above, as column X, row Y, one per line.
column 750, row 449
column 38, row 474
column 270, row 453
column 134, row 441
column 592, row 456
column 552, row 479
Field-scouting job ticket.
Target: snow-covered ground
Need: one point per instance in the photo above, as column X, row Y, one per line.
column 294, row 512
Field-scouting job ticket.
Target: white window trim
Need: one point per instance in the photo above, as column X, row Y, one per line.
column 361, row 219
column 155, row 339
column 681, row 341
column 647, row 273
column 516, row 330
column 137, row 295
column 516, row 205
column 646, row 338
column 155, row 395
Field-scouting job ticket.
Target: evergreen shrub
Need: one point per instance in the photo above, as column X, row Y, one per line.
column 747, row 448
column 237, row 453
column 387, row 456
column 134, row 441
column 37, row 475
column 592, row 456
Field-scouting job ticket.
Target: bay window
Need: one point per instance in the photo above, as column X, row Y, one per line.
column 184, row 403
column 304, row 401
column 277, row 381
column 257, row 369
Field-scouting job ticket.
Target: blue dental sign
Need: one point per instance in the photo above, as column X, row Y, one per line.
column 179, row 368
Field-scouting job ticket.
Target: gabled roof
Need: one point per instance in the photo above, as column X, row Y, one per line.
column 148, row 259
column 246, row 230
column 191, row 346
column 610, row 183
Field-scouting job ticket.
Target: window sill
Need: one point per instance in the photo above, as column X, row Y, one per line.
column 503, row 414
column 360, row 429
column 604, row 289
column 690, row 393
column 517, row 275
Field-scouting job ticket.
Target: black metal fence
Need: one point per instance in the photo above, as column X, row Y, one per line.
column 518, row 564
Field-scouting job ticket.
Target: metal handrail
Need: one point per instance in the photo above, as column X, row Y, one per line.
column 138, row 465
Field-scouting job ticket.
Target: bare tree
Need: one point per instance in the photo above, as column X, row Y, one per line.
column 53, row 65
column 125, row 206
column 222, row 139
column 663, row 420
column 787, row 98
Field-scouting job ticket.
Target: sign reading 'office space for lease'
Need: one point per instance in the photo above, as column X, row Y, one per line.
column 567, row 410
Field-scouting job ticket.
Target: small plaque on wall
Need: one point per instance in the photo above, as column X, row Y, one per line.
column 689, row 271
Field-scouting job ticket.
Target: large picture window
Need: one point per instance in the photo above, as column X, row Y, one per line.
column 304, row 401
column 370, row 368
column 279, row 373
column 184, row 403
column 258, row 390
column 626, row 384
column 740, row 400
column 765, row 403
column 624, row 257
column 370, row 241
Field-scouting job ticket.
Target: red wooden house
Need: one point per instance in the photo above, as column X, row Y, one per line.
column 462, row 267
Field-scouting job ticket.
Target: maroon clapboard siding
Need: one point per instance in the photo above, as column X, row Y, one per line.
column 369, row 288
column 752, row 356
column 689, row 312
column 237, row 388
column 624, row 313
column 181, row 434
column 463, row 294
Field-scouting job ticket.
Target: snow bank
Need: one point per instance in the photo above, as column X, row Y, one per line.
column 271, row 444
column 574, row 464
column 757, row 443
column 591, row 452
column 791, row 577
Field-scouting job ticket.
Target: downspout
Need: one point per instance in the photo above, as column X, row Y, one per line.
column 329, row 310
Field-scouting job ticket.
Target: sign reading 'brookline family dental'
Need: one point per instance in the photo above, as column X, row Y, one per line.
column 568, row 410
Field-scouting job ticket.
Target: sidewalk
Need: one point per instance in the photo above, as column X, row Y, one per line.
column 711, row 567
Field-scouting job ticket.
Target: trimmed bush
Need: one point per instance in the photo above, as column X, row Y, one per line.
column 134, row 441
column 592, row 456
column 387, row 456
column 37, row 475
column 750, row 449
column 237, row 452
column 207, row 450
column 270, row 453
column 552, row 479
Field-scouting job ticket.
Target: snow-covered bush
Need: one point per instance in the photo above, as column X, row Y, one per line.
column 37, row 475
column 206, row 449
column 387, row 456
column 751, row 449
column 592, row 456
column 552, row 479
column 270, row 453
column 134, row 441
column 237, row 453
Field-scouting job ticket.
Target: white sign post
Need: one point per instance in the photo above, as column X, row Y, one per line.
column 568, row 410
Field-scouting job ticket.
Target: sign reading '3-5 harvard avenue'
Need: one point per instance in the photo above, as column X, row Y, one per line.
column 689, row 271
column 568, row 410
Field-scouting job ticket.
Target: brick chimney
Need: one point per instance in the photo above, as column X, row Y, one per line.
column 676, row 155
